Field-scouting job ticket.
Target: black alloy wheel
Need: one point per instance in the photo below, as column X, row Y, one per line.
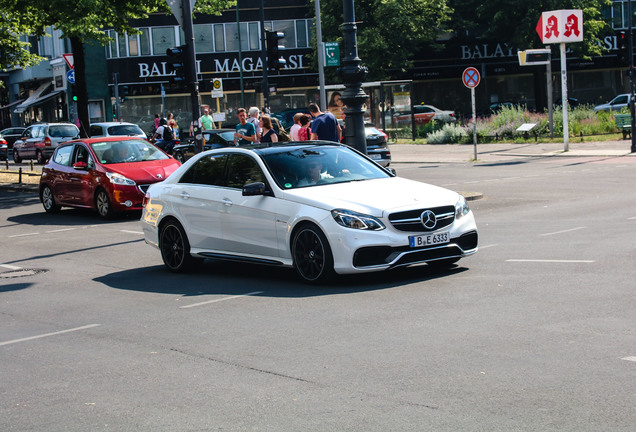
column 48, row 201
column 103, row 204
column 312, row 255
column 175, row 247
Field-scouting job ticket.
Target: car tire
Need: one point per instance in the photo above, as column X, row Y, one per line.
column 313, row 260
column 39, row 157
column 175, row 247
column 16, row 156
column 103, row 205
column 48, row 200
column 179, row 157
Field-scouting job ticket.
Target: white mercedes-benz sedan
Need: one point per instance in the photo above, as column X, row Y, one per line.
column 321, row 208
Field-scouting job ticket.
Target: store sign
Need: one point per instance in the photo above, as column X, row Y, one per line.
column 561, row 26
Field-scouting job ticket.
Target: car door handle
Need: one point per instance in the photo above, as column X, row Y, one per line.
column 185, row 195
column 228, row 202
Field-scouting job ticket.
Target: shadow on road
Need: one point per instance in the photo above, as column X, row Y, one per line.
column 229, row 278
column 71, row 217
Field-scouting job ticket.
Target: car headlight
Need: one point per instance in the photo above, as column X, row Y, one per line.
column 351, row 219
column 119, row 179
column 461, row 208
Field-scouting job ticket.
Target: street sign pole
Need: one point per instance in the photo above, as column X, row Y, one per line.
column 471, row 79
column 472, row 100
column 564, row 99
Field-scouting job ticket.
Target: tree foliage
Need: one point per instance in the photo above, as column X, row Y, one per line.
column 388, row 31
column 514, row 21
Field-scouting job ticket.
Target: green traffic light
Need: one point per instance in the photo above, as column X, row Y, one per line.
column 74, row 98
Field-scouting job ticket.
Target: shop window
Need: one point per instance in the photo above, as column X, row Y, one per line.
column 219, row 38
column 203, row 38
column 162, row 39
column 144, row 42
column 133, row 45
column 121, row 44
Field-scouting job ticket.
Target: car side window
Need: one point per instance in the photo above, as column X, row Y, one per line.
column 28, row 133
column 83, row 155
column 243, row 170
column 62, row 155
column 209, row 170
column 96, row 131
column 38, row 132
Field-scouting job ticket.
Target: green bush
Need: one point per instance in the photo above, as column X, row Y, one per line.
column 450, row 133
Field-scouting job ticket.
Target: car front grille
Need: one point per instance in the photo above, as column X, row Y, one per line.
column 411, row 220
column 374, row 256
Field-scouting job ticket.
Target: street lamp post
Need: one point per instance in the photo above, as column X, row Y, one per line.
column 352, row 75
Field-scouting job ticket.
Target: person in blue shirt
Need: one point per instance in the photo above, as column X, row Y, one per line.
column 245, row 132
column 324, row 126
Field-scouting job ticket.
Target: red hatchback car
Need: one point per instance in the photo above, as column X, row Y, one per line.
column 108, row 174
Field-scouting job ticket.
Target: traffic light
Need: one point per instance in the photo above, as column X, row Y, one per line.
column 74, row 92
column 274, row 61
column 123, row 93
column 623, row 47
column 177, row 64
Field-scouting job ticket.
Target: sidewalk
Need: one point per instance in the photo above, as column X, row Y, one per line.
column 453, row 153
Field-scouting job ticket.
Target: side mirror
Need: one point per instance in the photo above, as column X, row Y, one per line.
column 254, row 189
column 80, row 165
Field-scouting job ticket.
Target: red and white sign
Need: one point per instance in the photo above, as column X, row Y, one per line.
column 471, row 77
column 561, row 26
column 69, row 60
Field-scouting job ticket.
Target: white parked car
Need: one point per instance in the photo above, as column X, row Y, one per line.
column 618, row 103
column 445, row 116
column 105, row 129
column 321, row 208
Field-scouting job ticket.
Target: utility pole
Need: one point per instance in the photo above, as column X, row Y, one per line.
column 353, row 75
column 265, row 83
column 631, row 73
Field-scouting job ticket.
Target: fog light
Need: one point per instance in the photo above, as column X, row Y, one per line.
column 128, row 203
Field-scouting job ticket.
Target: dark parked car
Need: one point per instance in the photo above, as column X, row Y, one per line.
column 214, row 139
column 286, row 117
column 11, row 134
column 377, row 145
column 38, row 141
column 109, row 174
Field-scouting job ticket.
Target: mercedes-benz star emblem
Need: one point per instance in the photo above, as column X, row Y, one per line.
column 428, row 219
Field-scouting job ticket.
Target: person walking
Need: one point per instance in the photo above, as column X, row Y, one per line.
column 325, row 126
column 253, row 115
column 245, row 132
column 293, row 131
column 268, row 133
column 206, row 120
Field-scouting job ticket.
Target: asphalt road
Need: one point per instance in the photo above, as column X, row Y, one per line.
column 536, row 332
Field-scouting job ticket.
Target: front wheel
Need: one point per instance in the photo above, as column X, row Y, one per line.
column 103, row 204
column 48, row 201
column 175, row 247
column 312, row 255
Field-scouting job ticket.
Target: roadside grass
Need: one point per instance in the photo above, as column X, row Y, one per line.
column 13, row 176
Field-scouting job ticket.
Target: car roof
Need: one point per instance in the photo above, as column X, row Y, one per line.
column 112, row 123
column 106, row 139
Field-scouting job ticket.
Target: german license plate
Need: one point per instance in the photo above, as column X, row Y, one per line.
column 429, row 239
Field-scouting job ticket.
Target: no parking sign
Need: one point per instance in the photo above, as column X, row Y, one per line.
column 471, row 77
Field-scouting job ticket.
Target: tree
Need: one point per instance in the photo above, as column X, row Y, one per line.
column 514, row 21
column 83, row 21
column 389, row 31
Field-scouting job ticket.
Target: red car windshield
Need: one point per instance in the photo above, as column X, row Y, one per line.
column 109, row 152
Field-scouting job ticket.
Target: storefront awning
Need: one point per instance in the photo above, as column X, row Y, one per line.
column 33, row 98
column 12, row 104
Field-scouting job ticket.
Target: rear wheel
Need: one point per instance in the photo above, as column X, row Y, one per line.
column 16, row 156
column 312, row 255
column 103, row 204
column 48, row 201
column 175, row 247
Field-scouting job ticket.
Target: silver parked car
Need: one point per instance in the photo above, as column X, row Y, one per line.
column 38, row 141
column 618, row 103
column 105, row 129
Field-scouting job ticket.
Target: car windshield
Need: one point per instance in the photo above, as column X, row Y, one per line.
column 63, row 131
column 125, row 130
column 320, row 165
column 138, row 150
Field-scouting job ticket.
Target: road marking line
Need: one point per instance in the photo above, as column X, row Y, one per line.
column 61, row 229
column 632, row 218
column 488, row 246
column 132, row 232
column 220, row 300
column 550, row 261
column 10, row 267
column 561, row 232
column 49, row 334
column 631, row 358
column 23, row 235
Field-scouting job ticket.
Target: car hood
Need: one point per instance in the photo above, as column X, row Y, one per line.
column 146, row 172
column 377, row 197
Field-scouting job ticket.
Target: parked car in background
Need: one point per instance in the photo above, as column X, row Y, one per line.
column 286, row 117
column 108, row 174
column 318, row 207
column 377, row 145
column 215, row 139
column 618, row 103
column 420, row 115
column 105, row 129
column 4, row 149
column 439, row 115
column 38, row 141
column 11, row 135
